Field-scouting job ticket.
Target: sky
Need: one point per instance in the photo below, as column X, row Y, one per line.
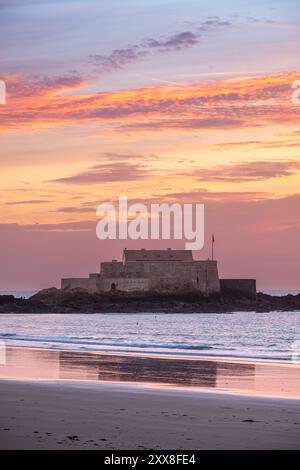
column 161, row 101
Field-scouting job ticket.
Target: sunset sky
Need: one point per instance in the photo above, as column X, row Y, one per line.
column 159, row 100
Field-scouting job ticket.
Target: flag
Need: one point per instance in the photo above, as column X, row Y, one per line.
column 213, row 238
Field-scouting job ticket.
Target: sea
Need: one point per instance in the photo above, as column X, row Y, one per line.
column 241, row 335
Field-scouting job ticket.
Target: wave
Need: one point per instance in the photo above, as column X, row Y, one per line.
column 182, row 349
column 80, row 341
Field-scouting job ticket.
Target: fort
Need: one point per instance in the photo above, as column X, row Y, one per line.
column 164, row 271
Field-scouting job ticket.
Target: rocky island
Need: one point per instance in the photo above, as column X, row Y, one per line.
column 80, row 301
column 167, row 281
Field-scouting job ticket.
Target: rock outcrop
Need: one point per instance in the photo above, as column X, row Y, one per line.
column 80, row 301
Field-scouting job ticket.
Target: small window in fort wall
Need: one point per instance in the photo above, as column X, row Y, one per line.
column 113, row 286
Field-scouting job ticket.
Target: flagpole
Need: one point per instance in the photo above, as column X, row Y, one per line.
column 212, row 246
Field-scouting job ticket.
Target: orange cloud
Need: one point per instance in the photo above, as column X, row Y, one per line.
column 244, row 102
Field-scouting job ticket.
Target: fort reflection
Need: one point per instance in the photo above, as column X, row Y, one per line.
column 76, row 365
column 138, row 369
column 33, row 364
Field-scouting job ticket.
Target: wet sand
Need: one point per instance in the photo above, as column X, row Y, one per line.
column 74, row 400
column 244, row 377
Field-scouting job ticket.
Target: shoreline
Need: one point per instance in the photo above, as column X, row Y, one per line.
column 171, row 356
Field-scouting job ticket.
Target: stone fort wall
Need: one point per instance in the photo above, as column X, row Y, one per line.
column 124, row 284
column 160, row 276
column 159, row 270
column 87, row 283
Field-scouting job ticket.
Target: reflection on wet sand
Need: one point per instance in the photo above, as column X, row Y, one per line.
column 139, row 369
column 269, row 379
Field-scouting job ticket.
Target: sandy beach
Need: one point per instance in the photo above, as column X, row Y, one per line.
column 82, row 400
column 91, row 415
